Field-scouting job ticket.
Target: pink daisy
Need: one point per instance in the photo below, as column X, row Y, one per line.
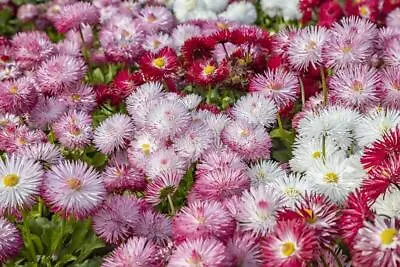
column 46, row 111
column 15, row 138
column 200, row 252
column 157, row 41
column 305, row 50
column 73, row 189
column 80, row 97
column 120, row 176
column 122, row 39
column 10, row 240
column 156, row 18
column 203, row 219
column 279, row 85
column 163, row 186
column 219, row 160
column 377, row 244
column 292, row 244
column 250, row 141
column 164, row 160
column 221, row 184
column 73, row 15
column 114, row 133
column 154, row 226
column 390, row 84
column 117, row 219
column 60, row 73
column 159, row 65
column 245, row 250
column 356, row 86
column 137, row 251
column 31, row 48
column 18, row 96
column 73, row 129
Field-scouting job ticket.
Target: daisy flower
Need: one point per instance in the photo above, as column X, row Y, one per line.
column 11, row 240
column 157, row 41
column 245, row 250
column 119, row 177
column 207, row 72
column 116, row 219
column 20, row 180
column 121, row 39
column 137, row 251
column 241, row 11
column 377, row 244
column 18, row 96
column 80, row 97
column 114, row 133
column 164, row 160
column 73, row 129
column 159, row 65
column 155, row 19
column 183, row 32
column 356, row 86
column 163, row 186
column 154, row 226
column 258, row 209
column 199, row 252
column 264, row 172
column 46, row 111
column 168, row 119
column 220, row 184
column 60, row 73
column 390, row 83
column 279, row 85
column 336, row 177
column 13, row 139
column 45, row 153
column 375, row 124
column 388, row 204
column 191, row 101
column 73, row 15
column 203, row 219
column 356, row 211
column 250, row 141
column 305, row 50
column 73, row 189
column 292, row 188
column 141, row 147
column 255, row 108
column 321, row 215
column 308, row 151
column 31, row 48
column 218, row 160
column 291, row 244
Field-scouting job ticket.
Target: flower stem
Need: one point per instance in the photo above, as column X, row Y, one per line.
column 303, row 94
column 324, row 87
column 171, row 204
column 323, row 147
column 279, row 121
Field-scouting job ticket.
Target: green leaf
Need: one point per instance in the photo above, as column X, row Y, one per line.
column 78, row 236
column 38, row 243
column 91, row 244
column 97, row 76
column 285, row 136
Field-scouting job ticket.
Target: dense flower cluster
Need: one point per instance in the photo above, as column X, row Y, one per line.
column 187, row 137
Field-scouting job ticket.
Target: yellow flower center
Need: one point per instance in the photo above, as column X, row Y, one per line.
column 291, row 191
column 316, row 155
column 274, row 86
column 75, row 97
column 387, row 236
column 346, row 49
column 311, row 218
column 156, row 43
column 151, row 18
column 13, row 90
column 209, row 69
column 159, row 62
column 20, row 141
column 364, row 11
column 10, row 180
column 244, row 133
column 331, row 177
column 288, row 248
column 222, row 26
column 74, row 183
column 146, row 149
column 357, row 86
column 311, row 45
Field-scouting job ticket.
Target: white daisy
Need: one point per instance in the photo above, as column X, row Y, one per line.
column 241, row 11
column 20, row 180
column 388, row 204
column 255, row 108
column 264, row 172
column 184, row 32
column 45, row 153
column 191, row 101
column 336, row 177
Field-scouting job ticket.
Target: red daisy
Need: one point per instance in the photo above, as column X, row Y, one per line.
column 206, row 72
column 159, row 65
column 290, row 245
column 197, row 48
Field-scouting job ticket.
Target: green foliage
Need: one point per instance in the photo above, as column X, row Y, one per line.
column 282, row 141
column 51, row 241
